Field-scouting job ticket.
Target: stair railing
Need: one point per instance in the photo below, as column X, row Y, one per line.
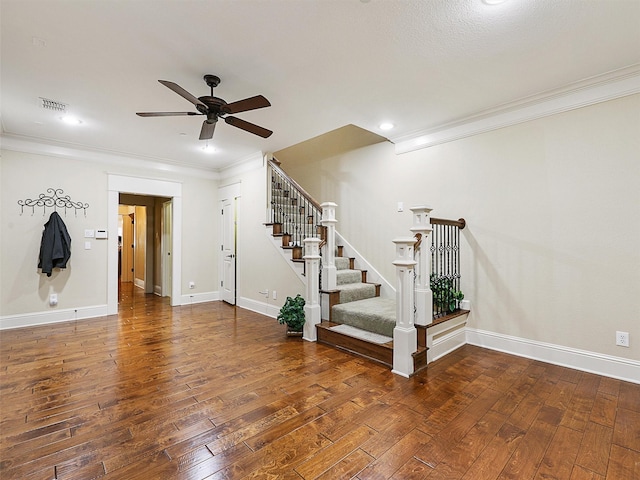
column 298, row 214
column 294, row 213
column 445, row 265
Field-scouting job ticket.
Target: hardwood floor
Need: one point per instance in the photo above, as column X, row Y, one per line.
column 218, row 392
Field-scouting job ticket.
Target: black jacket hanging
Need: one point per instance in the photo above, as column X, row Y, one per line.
column 55, row 248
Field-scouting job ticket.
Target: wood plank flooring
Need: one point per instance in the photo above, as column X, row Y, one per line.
column 217, row 392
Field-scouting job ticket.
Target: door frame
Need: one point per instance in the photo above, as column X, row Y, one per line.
column 166, row 247
column 229, row 192
column 142, row 186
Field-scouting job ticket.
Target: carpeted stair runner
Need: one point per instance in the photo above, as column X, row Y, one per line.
column 359, row 306
column 377, row 315
column 352, row 292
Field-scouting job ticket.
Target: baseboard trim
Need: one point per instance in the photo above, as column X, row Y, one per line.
column 258, row 307
column 592, row 362
column 55, row 316
column 199, row 298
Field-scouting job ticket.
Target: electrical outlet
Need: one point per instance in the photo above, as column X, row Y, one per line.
column 275, row 296
column 622, row 339
column 53, row 299
column 192, row 284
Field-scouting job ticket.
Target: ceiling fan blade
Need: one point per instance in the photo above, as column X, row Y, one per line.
column 249, row 127
column 182, row 92
column 207, row 130
column 247, row 104
column 165, row 114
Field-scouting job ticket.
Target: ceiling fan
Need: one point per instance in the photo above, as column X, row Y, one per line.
column 215, row 108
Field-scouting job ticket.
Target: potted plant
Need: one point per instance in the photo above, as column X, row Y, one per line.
column 445, row 294
column 292, row 313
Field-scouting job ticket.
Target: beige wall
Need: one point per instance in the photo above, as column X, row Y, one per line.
column 551, row 248
column 24, row 290
column 550, row 251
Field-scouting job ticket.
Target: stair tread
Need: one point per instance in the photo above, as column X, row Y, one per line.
column 376, row 315
column 352, row 292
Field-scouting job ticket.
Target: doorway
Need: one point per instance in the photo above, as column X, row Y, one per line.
column 172, row 191
column 141, row 224
column 229, row 199
column 126, row 246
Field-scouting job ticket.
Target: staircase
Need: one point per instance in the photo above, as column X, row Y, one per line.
column 357, row 319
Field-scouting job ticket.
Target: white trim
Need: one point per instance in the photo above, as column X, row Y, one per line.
column 589, row 92
column 444, row 338
column 142, row 186
column 192, row 298
column 51, row 148
column 246, row 164
column 258, row 307
column 373, row 276
column 54, row 316
column 231, row 192
column 592, row 362
column 297, row 267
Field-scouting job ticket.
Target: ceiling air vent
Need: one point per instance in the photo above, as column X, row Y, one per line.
column 53, row 105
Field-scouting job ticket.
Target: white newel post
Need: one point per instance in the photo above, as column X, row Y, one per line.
column 312, row 311
column 405, row 337
column 329, row 265
column 424, row 296
column 329, row 271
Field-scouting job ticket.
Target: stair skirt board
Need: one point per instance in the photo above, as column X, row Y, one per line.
column 361, row 334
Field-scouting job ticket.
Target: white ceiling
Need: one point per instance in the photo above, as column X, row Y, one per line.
column 323, row 64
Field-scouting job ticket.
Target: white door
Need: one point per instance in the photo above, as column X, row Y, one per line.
column 165, row 248
column 228, row 282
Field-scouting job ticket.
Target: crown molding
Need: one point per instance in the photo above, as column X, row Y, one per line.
column 23, row 144
column 250, row 162
column 601, row 88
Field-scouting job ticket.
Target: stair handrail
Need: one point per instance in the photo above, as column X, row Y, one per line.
column 274, row 165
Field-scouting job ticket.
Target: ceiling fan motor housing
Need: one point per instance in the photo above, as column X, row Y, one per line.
column 213, row 105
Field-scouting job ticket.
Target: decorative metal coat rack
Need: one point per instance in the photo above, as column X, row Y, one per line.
column 55, row 199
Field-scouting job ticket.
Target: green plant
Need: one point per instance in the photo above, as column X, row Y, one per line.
column 445, row 294
column 292, row 313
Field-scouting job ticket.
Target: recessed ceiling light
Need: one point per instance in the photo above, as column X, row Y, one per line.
column 386, row 126
column 208, row 148
column 71, row 120
column 493, row 2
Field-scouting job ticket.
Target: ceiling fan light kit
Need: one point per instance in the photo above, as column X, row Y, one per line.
column 215, row 108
